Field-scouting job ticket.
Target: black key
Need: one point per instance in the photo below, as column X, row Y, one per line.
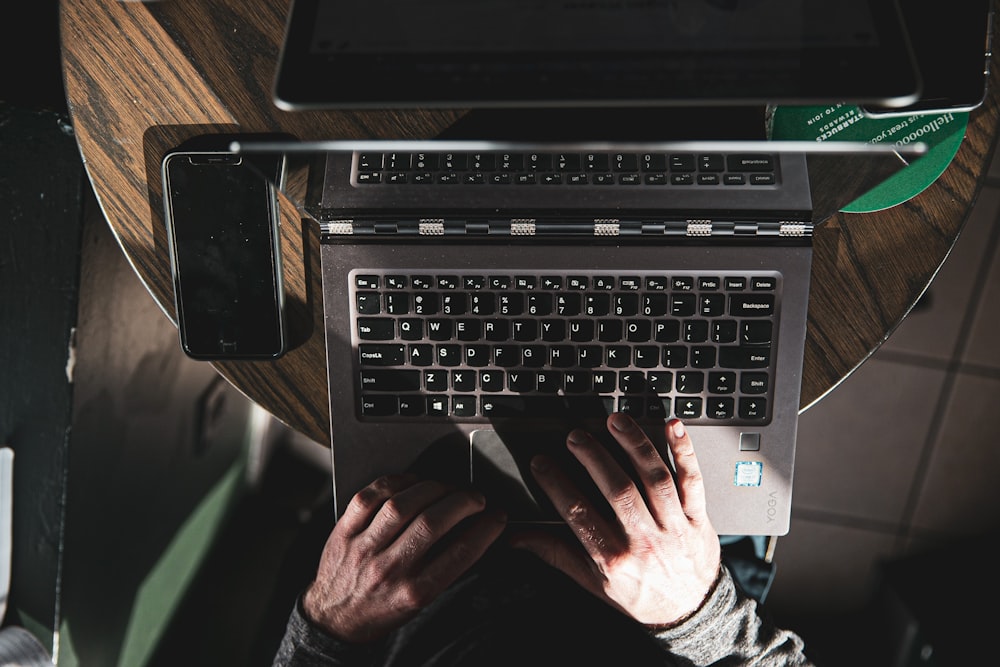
column 553, row 331
column 638, row 331
column 581, row 331
column 690, row 382
column 722, row 382
column 666, row 331
column 421, row 355
column 609, row 331
column 683, row 305
column 381, row 355
column 625, row 162
column 439, row 329
column 397, row 303
column 702, row 356
column 688, row 408
column 682, row 162
column 751, row 305
column 366, row 282
column 625, row 305
column 423, row 161
column 390, row 380
column 645, row 356
column 540, row 303
column 753, row 408
column 463, row 406
column 754, row 383
column 720, row 408
column 411, row 328
column 695, row 331
column 711, row 162
column 548, row 382
column 590, row 356
column 755, row 332
column 597, row 305
column 567, row 305
column 426, row 303
column 507, row 356
column 376, row 328
column 411, row 406
column 435, row 380
column 449, row 355
column 750, row 162
column 379, row 406
column 712, row 305
column 368, row 303
column 491, row 380
column 521, row 381
column 468, row 329
column 744, row 357
column 477, row 355
column 724, row 331
column 463, row 380
column 674, row 356
column 660, row 382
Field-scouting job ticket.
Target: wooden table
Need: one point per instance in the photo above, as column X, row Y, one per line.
column 143, row 77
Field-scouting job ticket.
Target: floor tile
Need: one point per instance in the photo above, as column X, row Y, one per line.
column 825, row 568
column 932, row 329
column 961, row 495
column 982, row 348
column 857, row 448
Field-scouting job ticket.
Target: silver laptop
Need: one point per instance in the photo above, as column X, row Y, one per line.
column 482, row 299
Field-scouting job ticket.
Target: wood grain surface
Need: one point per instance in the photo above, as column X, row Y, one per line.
column 141, row 78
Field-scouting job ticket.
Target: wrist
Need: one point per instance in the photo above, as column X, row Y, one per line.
column 660, row 627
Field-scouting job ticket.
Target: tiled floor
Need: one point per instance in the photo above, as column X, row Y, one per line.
column 902, row 457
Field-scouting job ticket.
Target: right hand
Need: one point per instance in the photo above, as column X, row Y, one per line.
column 396, row 548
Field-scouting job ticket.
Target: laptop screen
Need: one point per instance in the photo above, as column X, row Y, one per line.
column 380, row 53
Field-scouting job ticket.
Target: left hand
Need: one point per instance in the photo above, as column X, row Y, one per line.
column 661, row 557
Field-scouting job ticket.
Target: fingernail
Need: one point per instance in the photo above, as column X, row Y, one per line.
column 540, row 464
column 678, row 428
column 577, row 437
column 620, row 422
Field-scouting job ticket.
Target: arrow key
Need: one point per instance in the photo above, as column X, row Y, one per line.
column 753, row 408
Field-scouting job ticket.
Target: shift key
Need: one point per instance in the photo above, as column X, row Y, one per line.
column 390, row 380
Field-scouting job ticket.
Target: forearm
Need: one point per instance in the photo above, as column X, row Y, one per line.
column 728, row 627
column 306, row 645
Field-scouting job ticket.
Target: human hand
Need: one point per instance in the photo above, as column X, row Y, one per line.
column 659, row 560
column 398, row 545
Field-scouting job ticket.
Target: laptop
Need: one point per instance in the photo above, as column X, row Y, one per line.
column 483, row 298
column 548, row 53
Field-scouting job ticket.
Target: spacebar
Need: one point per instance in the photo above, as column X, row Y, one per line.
column 545, row 406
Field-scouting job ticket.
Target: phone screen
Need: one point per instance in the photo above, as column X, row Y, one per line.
column 222, row 217
column 950, row 42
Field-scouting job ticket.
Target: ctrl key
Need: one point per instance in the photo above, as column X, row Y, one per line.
column 379, row 406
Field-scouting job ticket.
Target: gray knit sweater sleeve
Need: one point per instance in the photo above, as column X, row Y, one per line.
column 729, row 630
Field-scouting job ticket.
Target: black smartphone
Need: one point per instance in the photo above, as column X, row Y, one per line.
column 222, row 220
column 951, row 43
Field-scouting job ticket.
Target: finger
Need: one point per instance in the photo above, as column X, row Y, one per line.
column 469, row 545
column 614, row 483
column 689, row 478
column 368, row 501
column 396, row 513
column 434, row 521
column 593, row 531
column 652, row 470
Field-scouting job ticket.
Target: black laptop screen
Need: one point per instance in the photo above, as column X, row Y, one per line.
column 341, row 53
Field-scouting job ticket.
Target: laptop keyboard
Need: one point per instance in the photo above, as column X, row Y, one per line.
column 601, row 168
column 477, row 346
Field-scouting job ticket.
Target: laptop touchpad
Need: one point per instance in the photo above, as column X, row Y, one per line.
column 501, row 469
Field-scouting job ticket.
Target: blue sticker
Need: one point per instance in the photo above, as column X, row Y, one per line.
column 748, row 473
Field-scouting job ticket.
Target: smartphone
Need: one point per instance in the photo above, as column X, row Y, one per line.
column 952, row 44
column 222, row 220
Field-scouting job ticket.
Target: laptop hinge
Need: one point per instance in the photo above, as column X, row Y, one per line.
column 599, row 227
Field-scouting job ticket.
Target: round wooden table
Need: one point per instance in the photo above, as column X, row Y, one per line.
column 141, row 78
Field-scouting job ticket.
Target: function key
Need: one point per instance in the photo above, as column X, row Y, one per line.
column 447, row 282
column 577, row 282
column 499, row 282
column 682, row 283
column 369, row 177
column 525, row 282
column 552, row 282
column 656, row 283
column 630, row 283
column 422, row 282
column 604, row 283
column 473, row 282
column 396, row 282
column 734, row 179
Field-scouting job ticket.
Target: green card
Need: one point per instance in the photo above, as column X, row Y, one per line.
column 941, row 131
